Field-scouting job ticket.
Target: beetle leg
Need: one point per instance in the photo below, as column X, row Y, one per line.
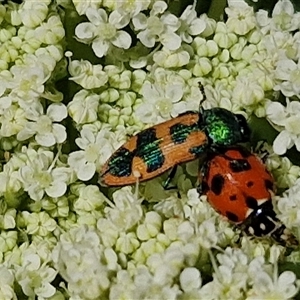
column 170, row 177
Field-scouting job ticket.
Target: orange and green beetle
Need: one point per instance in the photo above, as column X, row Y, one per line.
column 162, row 147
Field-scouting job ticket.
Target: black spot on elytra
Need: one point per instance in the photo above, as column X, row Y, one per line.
column 250, row 184
column 251, row 202
column 217, row 184
column 231, row 216
column 121, row 162
column 179, row 132
column 147, row 148
column 269, row 185
column 233, row 197
column 239, row 165
column 145, row 138
column 198, row 149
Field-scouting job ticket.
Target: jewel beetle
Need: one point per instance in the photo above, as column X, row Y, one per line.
column 162, row 147
column 239, row 187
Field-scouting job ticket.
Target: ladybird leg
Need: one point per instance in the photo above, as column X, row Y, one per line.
column 170, row 177
column 263, row 152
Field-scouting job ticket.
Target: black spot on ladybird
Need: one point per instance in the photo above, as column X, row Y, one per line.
column 269, row 185
column 239, row 165
column 250, row 184
column 217, row 184
column 233, row 197
column 231, row 216
column 251, row 202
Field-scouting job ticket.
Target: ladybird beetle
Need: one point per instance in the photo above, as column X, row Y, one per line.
column 239, row 187
column 162, row 147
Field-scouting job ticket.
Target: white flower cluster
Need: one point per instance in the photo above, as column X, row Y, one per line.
column 136, row 63
column 239, row 278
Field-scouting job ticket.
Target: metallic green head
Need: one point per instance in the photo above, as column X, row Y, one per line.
column 225, row 128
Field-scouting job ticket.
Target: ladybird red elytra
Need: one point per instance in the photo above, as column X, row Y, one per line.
column 239, row 187
column 162, row 147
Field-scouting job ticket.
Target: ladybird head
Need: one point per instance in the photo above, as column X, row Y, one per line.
column 225, row 128
column 263, row 222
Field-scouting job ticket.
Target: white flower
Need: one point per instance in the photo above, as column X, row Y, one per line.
column 286, row 119
column 8, row 240
column 86, row 265
column 279, row 46
column 5, row 103
column 166, row 265
column 288, row 206
column 39, row 223
column 33, row 14
column 39, row 175
column 190, row 24
column 123, row 286
column 6, row 284
column 161, row 100
column 158, row 27
column 207, row 234
column 224, row 37
column 108, row 232
column 87, row 75
column 241, row 17
column 283, row 18
column 129, row 7
column 225, row 285
column 126, row 211
column 198, row 210
column 82, row 5
column 12, row 121
column 51, row 32
column 46, row 132
column 103, row 31
column 267, row 287
column 143, row 285
column 8, row 219
column 28, row 81
column 171, row 59
column 96, row 149
column 56, row 207
column 287, row 74
column 83, row 107
column 230, row 278
column 151, row 226
column 284, row 172
column 35, row 277
column 190, row 279
column 127, row 243
column 247, row 93
column 89, row 198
